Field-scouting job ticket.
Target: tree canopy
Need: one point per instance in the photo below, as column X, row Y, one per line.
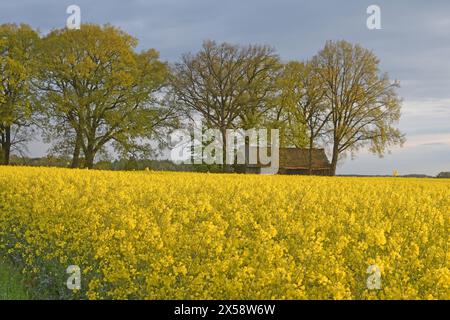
column 364, row 102
column 91, row 92
column 229, row 85
column 97, row 89
column 17, row 69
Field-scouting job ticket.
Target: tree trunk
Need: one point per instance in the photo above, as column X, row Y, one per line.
column 246, row 153
column 334, row 159
column 76, row 152
column 6, row 146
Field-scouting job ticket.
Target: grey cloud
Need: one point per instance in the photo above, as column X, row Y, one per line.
column 433, row 144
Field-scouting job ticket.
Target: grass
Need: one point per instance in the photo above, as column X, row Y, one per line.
column 11, row 283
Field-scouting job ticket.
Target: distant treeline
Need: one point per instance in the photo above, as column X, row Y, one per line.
column 154, row 165
column 444, row 175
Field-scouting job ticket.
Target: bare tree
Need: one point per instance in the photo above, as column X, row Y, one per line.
column 97, row 90
column 302, row 95
column 226, row 84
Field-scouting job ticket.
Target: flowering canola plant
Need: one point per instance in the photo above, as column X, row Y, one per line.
column 160, row 235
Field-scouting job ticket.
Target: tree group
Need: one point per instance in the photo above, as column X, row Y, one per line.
column 89, row 91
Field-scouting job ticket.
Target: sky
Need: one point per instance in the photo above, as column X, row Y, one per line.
column 413, row 45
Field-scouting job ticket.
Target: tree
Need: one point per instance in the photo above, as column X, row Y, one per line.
column 97, row 90
column 17, row 68
column 364, row 102
column 302, row 95
column 443, row 175
column 227, row 85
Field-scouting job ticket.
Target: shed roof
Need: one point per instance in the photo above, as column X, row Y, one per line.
column 298, row 158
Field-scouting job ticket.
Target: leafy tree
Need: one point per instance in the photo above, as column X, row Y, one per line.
column 444, row 175
column 364, row 102
column 97, row 90
column 17, row 68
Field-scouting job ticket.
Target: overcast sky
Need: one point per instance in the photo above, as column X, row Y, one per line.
column 413, row 46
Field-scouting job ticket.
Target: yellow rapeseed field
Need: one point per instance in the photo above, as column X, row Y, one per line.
column 149, row 235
